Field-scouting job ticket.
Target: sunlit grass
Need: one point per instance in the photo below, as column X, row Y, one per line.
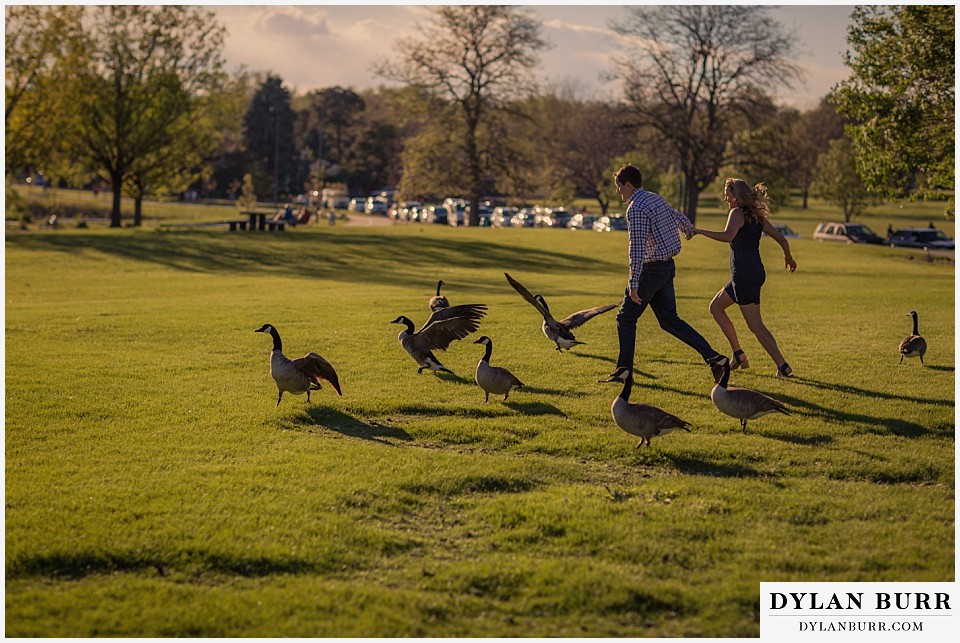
column 154, row 488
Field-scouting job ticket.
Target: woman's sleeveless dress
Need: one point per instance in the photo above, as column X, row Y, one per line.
column 746, row 270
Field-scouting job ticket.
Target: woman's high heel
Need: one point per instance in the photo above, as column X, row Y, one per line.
column 739, row 360
column 784, row 370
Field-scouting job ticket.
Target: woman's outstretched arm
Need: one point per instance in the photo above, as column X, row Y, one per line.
column 734, row 223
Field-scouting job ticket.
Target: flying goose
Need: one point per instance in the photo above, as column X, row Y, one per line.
column 741, row 403
column 558, row 332
column 913, row 345
column 642, row 420
column 494, row 379
column 438, row 301
column 440, row 329
column 301, row 375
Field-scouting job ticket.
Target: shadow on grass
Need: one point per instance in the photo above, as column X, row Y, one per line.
column 334, row 420
column 948, row 369
column 701, row 467
column 804, row 440
column 332, row 255
column 534, row 408
column 75, row 566
column 877, row 424
column 862, row 392
column 436, row 410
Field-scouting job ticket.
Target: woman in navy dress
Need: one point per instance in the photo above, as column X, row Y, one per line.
column 747, row 221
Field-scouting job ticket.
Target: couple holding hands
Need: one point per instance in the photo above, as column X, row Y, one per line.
column 654, row 240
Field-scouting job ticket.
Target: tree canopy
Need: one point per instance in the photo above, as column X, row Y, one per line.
column 696, row 73
column 900, row 96
column 478, row 59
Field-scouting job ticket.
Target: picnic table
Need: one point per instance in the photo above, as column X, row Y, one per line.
column 258, row 221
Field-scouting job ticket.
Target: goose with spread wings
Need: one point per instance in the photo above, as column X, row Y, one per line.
column 438, row 332
column 558, row 331
column 301, row 375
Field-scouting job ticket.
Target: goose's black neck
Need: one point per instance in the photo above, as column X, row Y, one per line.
column 409, row 324
column 439, row 283
column 277, row 346
column 725, row 378
column 488, row 353
column 916, row 330
column 627, row 387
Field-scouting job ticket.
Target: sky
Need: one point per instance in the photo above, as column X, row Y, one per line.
column 323, row 45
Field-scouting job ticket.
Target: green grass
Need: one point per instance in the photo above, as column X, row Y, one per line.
column 153, row 488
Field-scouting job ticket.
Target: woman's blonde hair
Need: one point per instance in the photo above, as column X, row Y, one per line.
column 753, row 201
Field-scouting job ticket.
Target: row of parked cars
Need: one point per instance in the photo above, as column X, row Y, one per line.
column 456, row 212
column 851, row 232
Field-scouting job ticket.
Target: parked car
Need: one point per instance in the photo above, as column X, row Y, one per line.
column 375, row 205
column 846, row 232
column 357, row 205
column 522, row 219
column 582, row 222
column 920, row 238
column 606, row 224
column 502, row 216
column 434, row 214
column 785, row 230
column 554, row 218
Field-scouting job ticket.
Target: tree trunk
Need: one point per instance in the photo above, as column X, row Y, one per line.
column 805, row 193
column 690, row 200
column 604, row 204
column 117, row 181
column 473, row 161
column 137, row 209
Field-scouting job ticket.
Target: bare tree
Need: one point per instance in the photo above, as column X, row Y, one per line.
column 694, row 72
column 477, row 58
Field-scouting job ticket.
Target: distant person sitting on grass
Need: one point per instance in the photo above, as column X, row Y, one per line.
column 746, row 222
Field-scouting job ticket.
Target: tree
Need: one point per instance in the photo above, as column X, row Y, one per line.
column 575, row 140
column 248, row 196
column 837, row 180
column 900, row 98
column 268, row 131
column 332, row 112
column 477, row 58
column 138, row 89
column 696, row 72
column 41, row 44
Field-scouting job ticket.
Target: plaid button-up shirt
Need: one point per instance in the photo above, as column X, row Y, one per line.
column 654, row 228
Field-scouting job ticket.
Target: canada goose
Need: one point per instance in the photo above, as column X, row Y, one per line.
column 558, row 332
column 301, row 375
column 642, row 420
column 441, row 328
column 438, row 301
column 494, row 379
column 741, row 403
column 913, row 345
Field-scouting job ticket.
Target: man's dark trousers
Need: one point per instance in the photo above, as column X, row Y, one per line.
column 656, row 290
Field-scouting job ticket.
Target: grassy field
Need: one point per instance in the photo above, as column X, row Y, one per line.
column 153, row 488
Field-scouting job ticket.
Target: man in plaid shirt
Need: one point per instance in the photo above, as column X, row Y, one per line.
column 654, row 229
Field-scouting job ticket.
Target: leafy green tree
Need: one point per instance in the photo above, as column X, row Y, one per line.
column 478, row 59
column 42, row 45
column 248, row 195
column 838, row 182
column 900, row 97
column 332, row 113
column 138, row 89
column 695, row 72
column 269, row 134
column 651, row 179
